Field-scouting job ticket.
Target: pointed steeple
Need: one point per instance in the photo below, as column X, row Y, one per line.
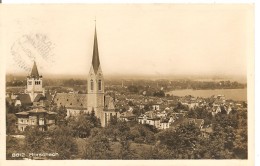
column 34, row 72
column 95, row 58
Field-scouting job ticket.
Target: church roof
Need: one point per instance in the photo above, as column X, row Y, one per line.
column 71, row 100
column 25, row 99
column 34, row 72
column 39, row 97
column 95, row 58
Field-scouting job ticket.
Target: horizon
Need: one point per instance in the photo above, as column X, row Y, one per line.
column 240, row 79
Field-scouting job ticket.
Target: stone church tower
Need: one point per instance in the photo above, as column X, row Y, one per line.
column 102, row 104
column 34, row 83
column 96, row 83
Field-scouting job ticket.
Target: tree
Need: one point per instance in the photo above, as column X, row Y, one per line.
column 62, row 142
column 240, row 144
column 182, row 141
column 13, row 146
column 97, row 147
column 34, row 139
column 218, row 146
column 94, row 120
column 61, row 114
column 159, row 93
column 11, row 128
column 82, row 125
column 125, row 152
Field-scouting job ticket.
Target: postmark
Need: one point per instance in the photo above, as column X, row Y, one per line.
column 32, row 47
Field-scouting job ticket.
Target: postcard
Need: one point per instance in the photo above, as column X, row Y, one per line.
column 126, row 84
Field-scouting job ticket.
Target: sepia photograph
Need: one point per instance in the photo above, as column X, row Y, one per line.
column 128, row 81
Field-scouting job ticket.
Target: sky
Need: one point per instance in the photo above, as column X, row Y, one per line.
column 132, row 39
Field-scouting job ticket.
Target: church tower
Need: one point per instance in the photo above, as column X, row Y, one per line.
column 34, row 83
column 95, row 83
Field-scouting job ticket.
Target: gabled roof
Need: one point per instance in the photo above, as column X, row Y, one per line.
column 37, row 110
column 24, row 98
column 95, row 57
column 185, row 121
column 38, row 98
column 127, row 114
column 34, row 72
column 71, row 100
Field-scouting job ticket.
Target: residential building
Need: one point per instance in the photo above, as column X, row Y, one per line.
column 36, row 117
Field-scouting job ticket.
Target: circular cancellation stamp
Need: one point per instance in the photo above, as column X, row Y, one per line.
column 32, row 47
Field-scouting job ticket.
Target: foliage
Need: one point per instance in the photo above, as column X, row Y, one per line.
column 13, row 145
column 61, row 114
column 11, row 128
column 201, row 113
column 180, row 106
column 57, row 140
column 98, row 147
column 82, row 125
column 142, row 134
column 34, row 139
column 62, row 142
column 159, row 93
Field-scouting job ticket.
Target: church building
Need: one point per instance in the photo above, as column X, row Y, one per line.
column 34, row 94
column 95, row 99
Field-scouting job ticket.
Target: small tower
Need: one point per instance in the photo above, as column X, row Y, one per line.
column 34, row 83
column 95, row 82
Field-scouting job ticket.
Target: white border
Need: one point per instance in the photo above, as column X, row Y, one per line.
column 257, row 82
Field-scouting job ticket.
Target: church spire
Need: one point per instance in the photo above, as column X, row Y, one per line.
column 34, row 72
column 95, row 58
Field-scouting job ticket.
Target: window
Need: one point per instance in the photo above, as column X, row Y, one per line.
column 99, row 84
column 91, row 84
column 29, row 82
column 105, row 119
column 37, row 82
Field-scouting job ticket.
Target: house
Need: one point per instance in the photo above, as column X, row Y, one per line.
column 165, row 124
column 36, row 117
column 156, row 119
column 185, row 121
column 153, row 121
column 127, row 116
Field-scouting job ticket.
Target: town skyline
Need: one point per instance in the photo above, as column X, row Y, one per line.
column 215, row 45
